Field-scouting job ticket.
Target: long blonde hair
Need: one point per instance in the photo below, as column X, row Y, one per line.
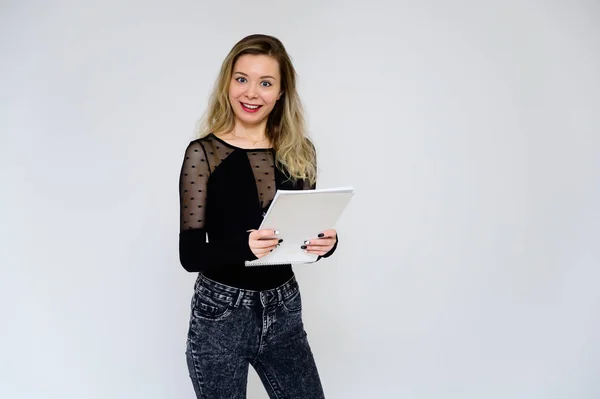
column 285, row 125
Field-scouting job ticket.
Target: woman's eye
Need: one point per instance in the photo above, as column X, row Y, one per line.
column 241, row 80
column 266, row 84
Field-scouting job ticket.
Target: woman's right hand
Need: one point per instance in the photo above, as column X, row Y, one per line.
column 263, row 242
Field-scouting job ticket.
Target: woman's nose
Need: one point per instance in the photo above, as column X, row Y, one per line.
column 251, row 91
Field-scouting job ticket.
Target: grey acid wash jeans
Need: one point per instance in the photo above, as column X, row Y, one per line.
column 231, row 328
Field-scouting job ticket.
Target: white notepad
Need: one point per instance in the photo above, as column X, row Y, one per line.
column 300, row 215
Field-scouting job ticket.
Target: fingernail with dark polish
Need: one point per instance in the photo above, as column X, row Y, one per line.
column 321, row 235
column 281, row 240
column 303, row 247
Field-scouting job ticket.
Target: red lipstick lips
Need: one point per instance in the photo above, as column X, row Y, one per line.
column 251, row 110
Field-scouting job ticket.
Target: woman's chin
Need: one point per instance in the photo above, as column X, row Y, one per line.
column 250, row 120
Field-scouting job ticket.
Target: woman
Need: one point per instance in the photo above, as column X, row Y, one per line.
column 253, row 142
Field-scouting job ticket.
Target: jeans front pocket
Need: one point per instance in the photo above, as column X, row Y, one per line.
column 211, row 306
column 293, row 303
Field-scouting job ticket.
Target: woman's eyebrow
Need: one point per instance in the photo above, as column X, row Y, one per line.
column 262, row 77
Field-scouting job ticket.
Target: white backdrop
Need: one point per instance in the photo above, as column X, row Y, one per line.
column 468, row 261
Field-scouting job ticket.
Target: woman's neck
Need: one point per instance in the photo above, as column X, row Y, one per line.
column 247, row 136
column 252, row 133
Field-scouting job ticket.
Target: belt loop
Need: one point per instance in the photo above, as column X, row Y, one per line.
column 239, row 298
column 279, row 296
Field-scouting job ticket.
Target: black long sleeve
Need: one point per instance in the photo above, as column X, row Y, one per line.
column 195, row 253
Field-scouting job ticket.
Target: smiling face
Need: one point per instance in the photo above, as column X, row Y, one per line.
column 255, row 88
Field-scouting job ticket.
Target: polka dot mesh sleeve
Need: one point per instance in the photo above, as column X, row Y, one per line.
column 192, row 187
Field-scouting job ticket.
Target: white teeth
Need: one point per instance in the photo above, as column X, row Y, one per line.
column 250, row 106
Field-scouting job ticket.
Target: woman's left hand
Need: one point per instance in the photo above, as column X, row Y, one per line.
column 321, row 244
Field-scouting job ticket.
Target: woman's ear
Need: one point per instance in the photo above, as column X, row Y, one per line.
column 280, row 94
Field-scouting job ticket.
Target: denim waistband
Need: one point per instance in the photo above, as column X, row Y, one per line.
column 239, row 296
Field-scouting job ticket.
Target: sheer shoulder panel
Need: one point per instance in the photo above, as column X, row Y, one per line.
column 263, row 166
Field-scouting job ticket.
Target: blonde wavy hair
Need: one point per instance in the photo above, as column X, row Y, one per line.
column 286, row 123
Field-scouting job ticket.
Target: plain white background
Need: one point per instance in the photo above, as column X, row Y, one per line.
column 468, row 261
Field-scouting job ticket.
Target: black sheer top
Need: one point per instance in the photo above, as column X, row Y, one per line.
column 224, row 191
